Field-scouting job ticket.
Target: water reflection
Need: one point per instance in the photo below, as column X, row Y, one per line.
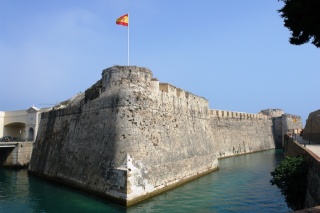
column 241, row 185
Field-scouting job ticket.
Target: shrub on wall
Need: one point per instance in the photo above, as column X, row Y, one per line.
column 291, row 177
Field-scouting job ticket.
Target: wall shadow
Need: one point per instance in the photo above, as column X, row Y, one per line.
column 4, row 154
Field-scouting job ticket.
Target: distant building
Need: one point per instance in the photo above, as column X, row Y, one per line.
column 283, row 123
column 21, row 125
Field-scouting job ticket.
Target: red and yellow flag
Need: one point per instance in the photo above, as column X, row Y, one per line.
column 123, row 20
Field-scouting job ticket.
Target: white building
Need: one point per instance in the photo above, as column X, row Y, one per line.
column 22, row 124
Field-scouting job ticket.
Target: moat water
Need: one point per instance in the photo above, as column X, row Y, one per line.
column 242, row 184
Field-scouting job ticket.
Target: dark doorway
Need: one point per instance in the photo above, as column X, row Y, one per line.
column 31, row 134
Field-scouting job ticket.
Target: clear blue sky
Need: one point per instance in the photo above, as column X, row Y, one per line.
column 234, row 53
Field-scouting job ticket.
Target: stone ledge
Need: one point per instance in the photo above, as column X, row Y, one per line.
column 315, row 209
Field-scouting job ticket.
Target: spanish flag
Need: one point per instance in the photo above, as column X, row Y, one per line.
column 123, row 20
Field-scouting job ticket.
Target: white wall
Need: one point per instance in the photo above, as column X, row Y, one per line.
column 1, row 123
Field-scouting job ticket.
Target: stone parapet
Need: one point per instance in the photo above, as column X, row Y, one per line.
column 236, row 115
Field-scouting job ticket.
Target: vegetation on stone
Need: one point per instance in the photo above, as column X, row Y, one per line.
column 291, row 177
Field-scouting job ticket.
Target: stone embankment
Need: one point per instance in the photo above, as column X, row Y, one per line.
column 15, row 154
column 129, row 137
column 297, row 146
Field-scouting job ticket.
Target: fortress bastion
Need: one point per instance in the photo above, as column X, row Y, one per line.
column 129, row 137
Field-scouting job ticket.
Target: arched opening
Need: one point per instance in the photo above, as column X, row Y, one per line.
column 15, row 131
column 31, row 134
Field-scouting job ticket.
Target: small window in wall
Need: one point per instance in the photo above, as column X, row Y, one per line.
column 31, row 134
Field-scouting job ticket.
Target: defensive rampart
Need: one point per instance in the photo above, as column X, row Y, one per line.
column 237, row 133
column 129, row 137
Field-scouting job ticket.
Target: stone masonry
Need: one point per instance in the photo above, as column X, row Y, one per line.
column 129, row 137
column 17, row 157
column 312, row 129
column 282, row 123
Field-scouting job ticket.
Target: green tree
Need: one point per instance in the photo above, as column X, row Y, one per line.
column 291, row 177
column 302, row 18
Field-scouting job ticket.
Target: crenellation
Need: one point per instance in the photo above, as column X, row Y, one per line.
column 170, row 101
column 235, row 115
column 172, row 91
column 155, row 85
column 180, row 93
column 164, row 87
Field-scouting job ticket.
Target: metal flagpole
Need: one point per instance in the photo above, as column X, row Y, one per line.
column 124, row 21
column 128, row 39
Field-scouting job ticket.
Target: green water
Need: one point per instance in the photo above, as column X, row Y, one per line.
column 241, row 185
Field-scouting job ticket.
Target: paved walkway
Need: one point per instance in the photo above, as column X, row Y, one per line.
column 313, row 147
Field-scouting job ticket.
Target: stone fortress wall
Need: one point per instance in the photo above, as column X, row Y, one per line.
column 276, row 116
column 291, row 124
column 312, row 129
column 251, row 131
column 129, row 137
column 239, row 133
column 283, row 123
